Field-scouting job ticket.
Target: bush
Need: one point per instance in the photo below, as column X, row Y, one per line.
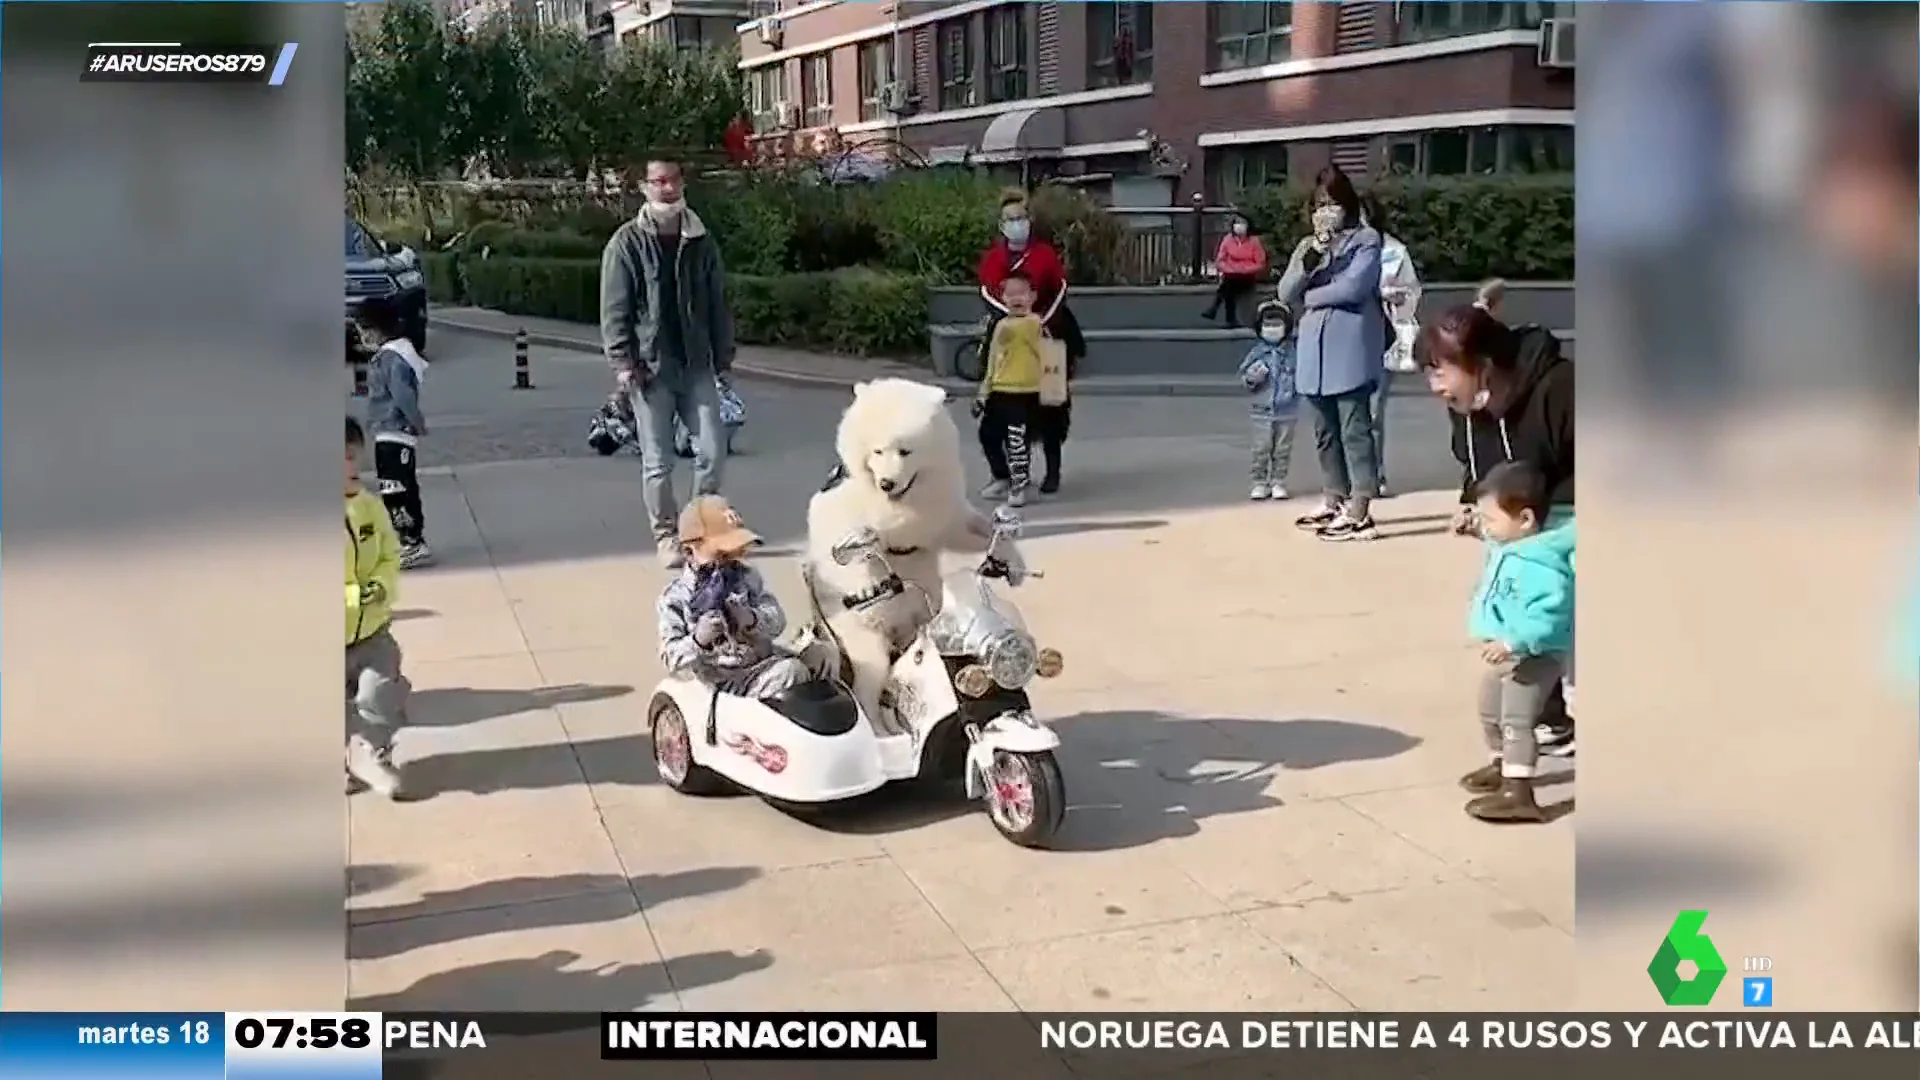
column 542, row 287
column 444, row 285
column 751, row 220
column 1456, row 229
column 935, row 223
column 497, row 238
column 858, row 311
column 1089, row 238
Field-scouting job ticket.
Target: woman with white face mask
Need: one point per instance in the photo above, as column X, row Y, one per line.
column 1333, row 282
column 1240, row 260
column 1018, row 249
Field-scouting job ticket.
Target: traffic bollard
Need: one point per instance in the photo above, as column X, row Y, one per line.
column 522, row 378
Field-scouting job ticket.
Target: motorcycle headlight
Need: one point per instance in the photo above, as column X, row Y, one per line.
column 1012, row 661
column 408, row 279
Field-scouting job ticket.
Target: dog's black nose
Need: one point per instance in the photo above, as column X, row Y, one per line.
column 888, row 485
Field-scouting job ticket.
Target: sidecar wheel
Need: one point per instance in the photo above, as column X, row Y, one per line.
column 673, row 752
column 1026, row 797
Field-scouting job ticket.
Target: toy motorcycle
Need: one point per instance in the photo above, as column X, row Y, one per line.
column 956, row 708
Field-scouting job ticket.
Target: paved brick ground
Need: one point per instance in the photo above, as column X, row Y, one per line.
column 1262, row 735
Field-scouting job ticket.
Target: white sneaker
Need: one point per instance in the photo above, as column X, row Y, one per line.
column 1017, row 497
column 373, row 767
column 415, row 556
column 1260, row 492
column 996, row 490
column 671, row 557
column 1278, row 493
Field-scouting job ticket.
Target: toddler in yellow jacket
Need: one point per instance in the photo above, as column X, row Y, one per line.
column 375, row 687
column 1010, row 392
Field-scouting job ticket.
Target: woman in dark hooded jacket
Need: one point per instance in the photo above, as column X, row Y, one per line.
column 1509, row 393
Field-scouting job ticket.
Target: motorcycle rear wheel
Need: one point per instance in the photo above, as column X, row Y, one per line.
column 1026, row 797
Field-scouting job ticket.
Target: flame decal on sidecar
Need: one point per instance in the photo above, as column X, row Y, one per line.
column 768, row 756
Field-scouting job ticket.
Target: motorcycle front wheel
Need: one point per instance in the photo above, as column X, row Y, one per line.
column 1026, row 797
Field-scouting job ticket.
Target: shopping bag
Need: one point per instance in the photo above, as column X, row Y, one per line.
column 1053, row 371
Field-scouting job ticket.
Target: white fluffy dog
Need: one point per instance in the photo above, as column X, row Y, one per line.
column 900, row 475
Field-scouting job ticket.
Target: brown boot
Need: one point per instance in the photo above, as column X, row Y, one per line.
column 1484, row 780
column 1512, row 803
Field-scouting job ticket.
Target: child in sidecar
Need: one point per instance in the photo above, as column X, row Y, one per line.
column 718, row 619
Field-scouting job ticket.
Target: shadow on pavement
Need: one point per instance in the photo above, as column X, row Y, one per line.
column 1042, row 530
column 620, row 759
column 1150, row 777
column 466, row 705
column 537, row 903
column 371, row 878
column 552, row 982
column 404, row 614
column 894, row 808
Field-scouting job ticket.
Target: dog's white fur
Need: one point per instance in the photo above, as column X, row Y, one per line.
column 898, row 434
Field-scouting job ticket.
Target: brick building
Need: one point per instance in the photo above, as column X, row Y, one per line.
column 1172, row 98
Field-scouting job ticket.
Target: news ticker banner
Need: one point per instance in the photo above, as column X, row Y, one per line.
column 173, row 61
column 365, row 1046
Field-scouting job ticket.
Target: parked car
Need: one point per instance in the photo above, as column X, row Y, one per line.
column 385, row 269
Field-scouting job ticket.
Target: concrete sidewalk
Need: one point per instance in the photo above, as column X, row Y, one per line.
column 1262, row 735
column 796, row 368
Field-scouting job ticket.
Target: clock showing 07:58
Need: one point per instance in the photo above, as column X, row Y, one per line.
column 322, row 1046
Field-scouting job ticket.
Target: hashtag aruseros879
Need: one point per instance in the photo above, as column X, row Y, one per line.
column 179, row 63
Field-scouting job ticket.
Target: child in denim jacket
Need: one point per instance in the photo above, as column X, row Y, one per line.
column 1267, row 373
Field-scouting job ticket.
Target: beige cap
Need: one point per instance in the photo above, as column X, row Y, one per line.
column 711, row 524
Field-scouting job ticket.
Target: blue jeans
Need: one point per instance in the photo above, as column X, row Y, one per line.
column 695, row 402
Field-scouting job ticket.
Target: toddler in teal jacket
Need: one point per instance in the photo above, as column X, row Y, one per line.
column 1522, row 615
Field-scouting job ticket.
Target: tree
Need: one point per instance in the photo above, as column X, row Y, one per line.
column 405, row 87
column 426, row 98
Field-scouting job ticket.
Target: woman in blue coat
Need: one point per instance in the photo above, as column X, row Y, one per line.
column 1333, row 284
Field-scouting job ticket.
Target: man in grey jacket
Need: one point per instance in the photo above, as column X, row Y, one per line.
column 666, row 330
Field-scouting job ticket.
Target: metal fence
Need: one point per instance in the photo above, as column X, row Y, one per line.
column 1170, row 245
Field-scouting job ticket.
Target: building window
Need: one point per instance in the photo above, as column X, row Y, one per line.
column 766, row 93
column 1250, row 34
column 1007, row 53
column 876, row 74
column 1233, row 171
column 1119, row 44
column 1429, row 22
column 954, row 62
column 816, row 90
column 1541, row 149
column 1485, row 151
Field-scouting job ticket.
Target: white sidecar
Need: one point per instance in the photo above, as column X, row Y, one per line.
column 955, row 707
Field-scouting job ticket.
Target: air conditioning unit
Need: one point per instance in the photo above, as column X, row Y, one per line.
column 786, row 115
column 1556, row 43
column 895, row 98
column 773, row 32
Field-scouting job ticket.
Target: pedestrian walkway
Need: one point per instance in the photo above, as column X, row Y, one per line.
column 1262, row 735
column 798, row 368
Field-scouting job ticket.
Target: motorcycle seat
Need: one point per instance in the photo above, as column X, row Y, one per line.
column 821, row 707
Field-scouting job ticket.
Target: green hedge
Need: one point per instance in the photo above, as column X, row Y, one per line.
column 1456, row 229
column 857, row 311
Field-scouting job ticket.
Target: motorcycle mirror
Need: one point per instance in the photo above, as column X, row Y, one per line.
column 853, row 545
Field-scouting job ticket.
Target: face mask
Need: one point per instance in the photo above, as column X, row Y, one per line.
column 666, row 209
column 1273, row 335
column 1016, row 230
column 1239, row 228
column 1327, row 220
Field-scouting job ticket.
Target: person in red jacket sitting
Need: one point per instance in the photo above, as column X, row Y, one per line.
column 1240, row 260
column 1018, row 249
